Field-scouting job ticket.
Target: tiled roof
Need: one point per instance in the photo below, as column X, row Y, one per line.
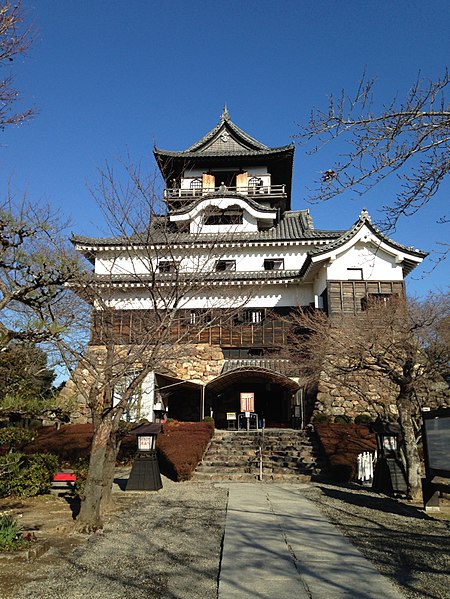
column 236, row 276
column 295, row 225
column 364, row 219
column 282, row 366
column 226, row 138
column 218, row 151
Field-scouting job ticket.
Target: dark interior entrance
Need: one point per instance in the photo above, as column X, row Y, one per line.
column 273, row 396
column 226, row 177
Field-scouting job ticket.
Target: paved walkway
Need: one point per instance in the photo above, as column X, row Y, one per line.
column 279, row 546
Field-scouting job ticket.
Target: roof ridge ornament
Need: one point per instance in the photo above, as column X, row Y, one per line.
column 365, row 215
column 225, row 116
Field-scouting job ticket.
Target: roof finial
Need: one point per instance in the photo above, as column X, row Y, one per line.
column 225, row 114
column 364, row 215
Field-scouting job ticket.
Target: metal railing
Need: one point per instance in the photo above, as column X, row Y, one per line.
column 251, row 191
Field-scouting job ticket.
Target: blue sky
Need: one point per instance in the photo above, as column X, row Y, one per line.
column 107, row 77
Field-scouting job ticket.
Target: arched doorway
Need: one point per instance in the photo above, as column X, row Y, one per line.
column 273, row 394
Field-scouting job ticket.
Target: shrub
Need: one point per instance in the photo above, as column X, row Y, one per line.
column 343, row 419
column 69, row 443
column 181, row 448
column 10, row 535
column 320, row 417
column 15, row 437
column 210, row 420
column 363, row 419
column 27, row 475
column 81, row 472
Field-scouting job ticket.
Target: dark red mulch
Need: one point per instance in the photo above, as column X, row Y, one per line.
column 341, row 444
column 180, row 447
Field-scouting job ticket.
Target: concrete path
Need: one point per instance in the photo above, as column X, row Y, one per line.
column 279, row 546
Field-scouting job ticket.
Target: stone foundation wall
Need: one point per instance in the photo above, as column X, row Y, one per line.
column 371, row 393
column 359, row 394
column 200, row 363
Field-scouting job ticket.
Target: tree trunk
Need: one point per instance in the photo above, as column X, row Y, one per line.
column 413, row 465
column 89, row 518
column 112, row 450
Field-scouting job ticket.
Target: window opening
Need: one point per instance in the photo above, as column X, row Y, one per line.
column 199, row 316
column 255, row 185
column 226, row 265
column 234, row 215
column 196, row 185
column 253, row 316
column 376, row 299
column 166, row 266
column 274, row 264
column 355, row 274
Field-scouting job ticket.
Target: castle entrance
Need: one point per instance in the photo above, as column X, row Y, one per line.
column 272, row 395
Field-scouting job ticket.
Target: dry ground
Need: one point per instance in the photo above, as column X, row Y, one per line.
column 167, row 544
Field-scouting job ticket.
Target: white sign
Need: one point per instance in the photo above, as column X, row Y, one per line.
column 247, row 402
column 145, row 442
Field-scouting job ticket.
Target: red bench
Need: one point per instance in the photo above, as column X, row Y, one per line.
column 63, row 482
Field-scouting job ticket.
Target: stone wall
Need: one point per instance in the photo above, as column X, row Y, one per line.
column 200, row 363
column 359, row 394
column 371, row 393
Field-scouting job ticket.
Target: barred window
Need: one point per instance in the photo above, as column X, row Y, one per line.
column 196, row 184
column 234, row 215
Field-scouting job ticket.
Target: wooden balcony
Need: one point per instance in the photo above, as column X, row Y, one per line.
column 257, row 193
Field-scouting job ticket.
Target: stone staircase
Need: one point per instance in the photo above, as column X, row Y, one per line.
column 287, row 455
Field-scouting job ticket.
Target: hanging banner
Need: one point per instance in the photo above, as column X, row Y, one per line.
column 247, row 402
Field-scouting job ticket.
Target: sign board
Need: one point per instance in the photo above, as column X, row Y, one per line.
column 145, row 443
column 247, row 414
column 231, row 415
column 247, row 402
column 437, row 441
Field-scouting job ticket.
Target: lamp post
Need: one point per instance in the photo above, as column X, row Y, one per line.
column 390, row 475
column 145, row 475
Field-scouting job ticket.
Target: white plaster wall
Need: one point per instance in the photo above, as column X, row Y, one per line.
column 375, row 263
column 319, row 286
column 247, row 259
column 257, row 296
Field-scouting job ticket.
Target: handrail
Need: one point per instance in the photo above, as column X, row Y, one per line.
column 252, row 191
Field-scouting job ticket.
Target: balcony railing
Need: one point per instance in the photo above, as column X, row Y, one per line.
column 272, row 191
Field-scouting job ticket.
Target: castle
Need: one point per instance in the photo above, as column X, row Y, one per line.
column 228, row 213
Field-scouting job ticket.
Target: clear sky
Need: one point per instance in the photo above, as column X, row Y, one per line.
column 107, row 77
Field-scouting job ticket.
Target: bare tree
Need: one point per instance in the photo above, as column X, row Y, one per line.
column 409, row 138
column 15, row 38
column 36, row 262
column 159, row 260
column 401, row 342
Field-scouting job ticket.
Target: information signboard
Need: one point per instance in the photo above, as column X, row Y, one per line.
column 437, row 441
column 247, row 402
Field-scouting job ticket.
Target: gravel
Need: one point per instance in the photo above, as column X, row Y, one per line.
column 168, row 544
column 407, row 545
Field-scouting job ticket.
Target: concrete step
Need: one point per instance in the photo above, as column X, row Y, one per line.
column 235, row 455
column 251, row 477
